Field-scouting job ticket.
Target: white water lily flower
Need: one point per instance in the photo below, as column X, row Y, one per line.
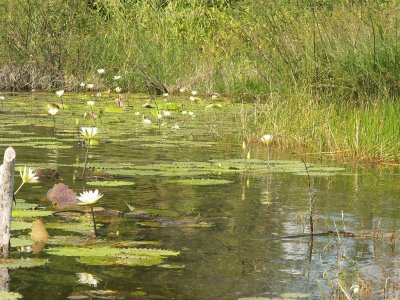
column 89, row 197
column 52, row 111
column 355, row 288
column 82, row 84
column 266, row 138
column 101, row 71
column 182, row 90
column 90, row 86
column 116, row 77
column 146, row 121
column 165, row 94
column 118, row 89
column 192, row 98
column 60, row 93
column 176, row 126
column 90, row 103
column 190, row 113
column 184, row 112
column 87, row 278
column 98, row 94
column 159, row 116
column 214, row 96
column 137, row 113
column 89, row 132
column 167, row 113
column 194, row 93
column 28, row 175
column 2, row 97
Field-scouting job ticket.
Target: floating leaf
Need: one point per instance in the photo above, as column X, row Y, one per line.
column 21, row 242
column 30, row 213
column 10, row 295
column 109, row 183
column 20, row 225
column 23, row 205
column 132, row 261
column 22, row 263
column 79, row 227
column 105, row 255
column 108, row 251
column 200, row 182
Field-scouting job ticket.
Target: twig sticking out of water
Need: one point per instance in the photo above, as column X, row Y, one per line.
column 310, row 198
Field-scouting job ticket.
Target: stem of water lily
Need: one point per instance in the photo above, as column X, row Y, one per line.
column 18, row 188
column 54, row 123
column 62, row 103
column 94, row 221
column 268, row 155
column 86, row 159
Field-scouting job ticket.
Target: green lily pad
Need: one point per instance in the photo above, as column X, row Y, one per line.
column 98, row 251
column 149, row 224
column 10, row 295
column 78, row 227
column 105, row 255
column 30, row 213
column 21, row 242
column 109, row 183
column 22, row 263
column 20, row 225
column 23, row 205
column 133, row 261
column 201, row 182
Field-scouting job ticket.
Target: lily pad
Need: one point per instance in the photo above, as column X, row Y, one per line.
column 105, row 255
column 108, row 251
column 10, row 295
column 78, row 227
column 201, row 182
column 20, row 225
column 21, row 242
column 144, row 261
column 22, row 263
column 109, row 183
column 30, row 213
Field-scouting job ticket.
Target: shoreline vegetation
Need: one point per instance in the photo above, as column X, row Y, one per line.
column 322, row 74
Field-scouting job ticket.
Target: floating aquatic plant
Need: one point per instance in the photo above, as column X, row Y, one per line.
column 22, row 263
column 60, row 93
column 27, row 176
column 105, row 255
column 90, row 198
column 266, row 139
column 110, row 183
column 201, row 181
column 88, row 133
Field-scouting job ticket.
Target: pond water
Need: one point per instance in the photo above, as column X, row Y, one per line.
column 240, row 226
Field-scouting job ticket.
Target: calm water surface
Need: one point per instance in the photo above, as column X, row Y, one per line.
column 244, row 253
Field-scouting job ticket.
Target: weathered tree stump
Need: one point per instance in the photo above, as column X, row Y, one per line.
column 6, row 199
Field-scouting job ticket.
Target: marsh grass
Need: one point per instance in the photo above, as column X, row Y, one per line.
column 321, row 73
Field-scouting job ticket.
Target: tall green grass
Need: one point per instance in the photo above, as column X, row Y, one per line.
column 323, row 68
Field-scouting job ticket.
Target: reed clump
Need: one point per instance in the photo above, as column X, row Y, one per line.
column 336, row 61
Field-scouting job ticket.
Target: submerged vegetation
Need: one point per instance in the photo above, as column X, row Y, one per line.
column 323, row 74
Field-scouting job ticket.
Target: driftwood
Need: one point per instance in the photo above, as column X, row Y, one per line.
column 6, row 199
